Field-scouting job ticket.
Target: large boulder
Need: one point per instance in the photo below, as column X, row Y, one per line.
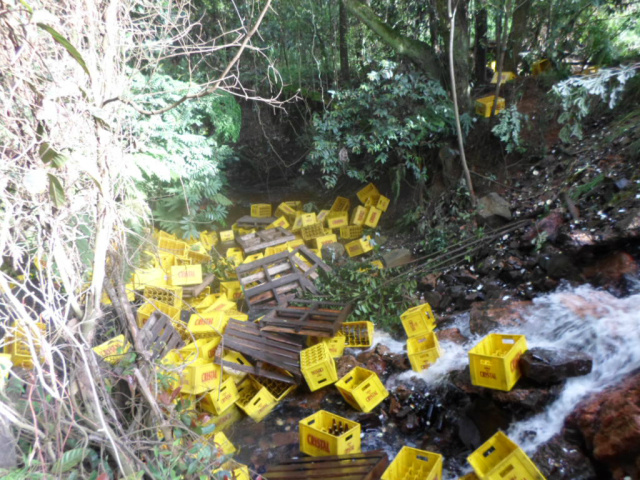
column 558, row 459
column 486, row 317
column 546, row 367
column 493, row 210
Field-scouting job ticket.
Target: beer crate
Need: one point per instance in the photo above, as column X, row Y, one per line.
column 325, row 433
column 469, row 476
column 280, row 222
column 207, row 325
column 592, row 70
column 495, row 361
column 235, row 256
column 237, row 471
column 295, row 204
column 358, row 334
column 17, row 343
column 164, row 260
column 341, row 204
column 368, row 191
column 220, row 398
column 168, row 295
column 285, row 210
column 233, row 290
column 373, row 217
column 540, row 66
column 362, row 389
column 254, row 399
column 186, row 275
column 227, row 236
column 319, row 242
column 322, row 216
column 278, row 389
column 418, row 320
column 209, row 239
column 318, row 367
column 221, row 442
column 350, row 232
column 378, row 264
column 273, row 250
column 359, row 247
column 309, row 232
column 504, row 77
column 221, row 422
column 200, row 376
column 204, row 348
column 253, row 258
column 359, row 215
column 146, row 310
column 154, row 277
column 261, row 210
column 337, row 220
column 485, row 104
column 295, row 243
column 112, row 350
column 411, row 463
column 235, row 357
column 336, row 344
column 423, row 351
column 378, row 201
column 176, row 247
column 198, row 257
column 500, row 458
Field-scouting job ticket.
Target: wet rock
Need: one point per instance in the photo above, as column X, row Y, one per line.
column 369, row 421
column 334, row 253
column 545, row 366
column 612, row 268
column 429, row 282
column 397, row 257
column 285, row 438
column 382, row 349
column 432, row 298
column 403, row 393
column 376, row 364
column 399, row 362
column 493, row 210
column 609, row 422
column 468, row 433
column 394, row 406
column 562, row 460
column 559, row 265
column 410, row 423
column 630, row 224
column 345, row 364
column 525, row 399
column 466, row 277
column 548, row 227
column 452, row 335
column 491, row 315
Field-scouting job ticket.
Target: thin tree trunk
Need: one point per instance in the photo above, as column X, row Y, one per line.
column 345, row 74
column 503, row 32
column 480, row 50
column 517, row 35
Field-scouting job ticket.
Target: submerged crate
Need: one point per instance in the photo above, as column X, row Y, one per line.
column 261, row 210
column 254, row 399
column 318, row 366
column 362, row 389
column 350, row 232
column 219, row 399
column 358, row 334
column 368, row 191
column 325, row 433
column 423, row 351
column 411, row 463
column 500, row 458
column 418, row 320
column 186, row 275
column 484, row 105
column 112, row 350
column 359, row 247
column 495, row 361
column 373, row 217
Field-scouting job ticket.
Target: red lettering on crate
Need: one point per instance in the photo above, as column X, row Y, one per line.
column 207, row 376
column 374, row 215
column 372, row 395
column 318, row 443
column 317, row 371
column 204, row 321
column 349, row 448
column 488, row 375
column 186, row 273
column 110, row 350
column 514, row 362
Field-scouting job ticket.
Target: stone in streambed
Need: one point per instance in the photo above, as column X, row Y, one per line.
column 545, row 366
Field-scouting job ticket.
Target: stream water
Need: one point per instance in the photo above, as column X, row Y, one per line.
column 582, row 318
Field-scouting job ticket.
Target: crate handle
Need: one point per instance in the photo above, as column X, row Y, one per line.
column 311, row 422
column 322, row 381
column 489, row 451
column 348, row 438
column 223, row 389
column 348, row 380
column 423, row 458
column 256, row 402
column 507, row 471
column 365, row 386
column 239, row 360
column 510, row 341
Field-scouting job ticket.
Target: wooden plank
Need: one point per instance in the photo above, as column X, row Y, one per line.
column 254, row 242
column 198, row 289
column 255, row 222
column 357, row 466
column 159, row 336
column 311, row 319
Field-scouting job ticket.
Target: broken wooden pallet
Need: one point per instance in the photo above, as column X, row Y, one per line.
column 307, row 317
column 276, row 349
column 159, row 335
column 355, row 466
column 254, row 242
column 311, row 262
column 255, row 222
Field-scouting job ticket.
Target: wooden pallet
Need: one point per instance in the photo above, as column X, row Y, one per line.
column 276, row 349
column 159, row 336
column 355, row 466
column 315, row 261
column 255, row 222
column 196, row 290
column 307, row 317
column 254, row 242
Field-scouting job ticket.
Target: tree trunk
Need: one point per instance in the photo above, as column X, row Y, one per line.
column 418, row 52
column 345, row 75
column 480, row 49
column 517, row 35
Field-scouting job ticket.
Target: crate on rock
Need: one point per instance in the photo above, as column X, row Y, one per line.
column 318, row 366
column 359, row 247
column 418, row 320
column 358, row 334
column 495, row 361
column 261, row 210
column 325, row 433
column 423, row 351
column 414, row 464
column 362, row 389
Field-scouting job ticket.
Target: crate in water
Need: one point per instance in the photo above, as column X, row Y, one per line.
column 341, row 204
column 500, row 458
column 186, row 275
column 495, row 361
column 220, row 398
column 112, row 350
column 359, row 215
column 261, row 210
column 358, row 334
column 309, row 232
column 368, row 191
column 484, row 105
column 373, row 217
column 254, row 399
column 336, row 343
column 423, row 351
column 350, row 232
column 418, row 320
column 168, row 295
column 359, row 247
column 200, row 376
column 318, row 366
column 337, row 220
column 414, row 464
column 362, row 389
column 325, row 433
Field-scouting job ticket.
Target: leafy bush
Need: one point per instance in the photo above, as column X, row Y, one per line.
column 390, row 120
column 177, row 155
column 509, row 127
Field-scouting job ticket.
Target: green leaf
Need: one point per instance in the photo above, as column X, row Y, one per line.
column 27, row 6
column 67, row 45
column 56, row 192
column 69, row 459
column 49, row 154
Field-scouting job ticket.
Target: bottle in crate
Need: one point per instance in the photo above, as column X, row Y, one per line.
column 325, row 433
column 414, row 464
column 362, row 389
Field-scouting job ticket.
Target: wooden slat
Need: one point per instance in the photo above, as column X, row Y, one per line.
column 255, row 222
column 311, row 319
column 357, row 466
column 254, row 242
column 159, row 336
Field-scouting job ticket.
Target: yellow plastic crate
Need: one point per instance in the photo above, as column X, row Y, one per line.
column 320, row 241
column 322, row 216
column 318, row 440
column 221, row 442
column 358, row 334
column 186, row 275
column 5, row 368
column 261, row 210
column 176, row 247
column 500, row 458
column 146, row 310
column 359, row 215
column 253, row 258
column 411, row 463
column 164, row 260
column 245, row 231
column 198, row 257
column 341, row 204
column 169, row 295
column 209, row 301
column 235, row 357
column 366, row 192
column 112, row 350
column 285, row 210
column 318, row 366
column 485, row 104
column 153, row 277
column 237, row 470
column 373, row 217
column 280, row 222
column 219, row 399
column 337, row 219
column 227, row 236
column 359, row 247
column 222, row 304
column 200, row 376
column 278, row 389
column 233, row 290
column 295, row 243
column 225, row 420
column 423, row 351
column 377, row 264
column 495, row 361
column 336, row 344
column 540, row 66
column 382, row 203
column 235, row 256
column 204, row 348
column 209, row 239
column 362, row 389
column 255, row 400
column 469, row 476
column 309, row 232
column 504, row 77
column 208, row 325
column 590, row 70
column 418, row 320
column 273, row 250
column 17, row 344
column 350, row 232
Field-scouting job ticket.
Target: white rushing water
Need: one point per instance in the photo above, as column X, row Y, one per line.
column 583, row 319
